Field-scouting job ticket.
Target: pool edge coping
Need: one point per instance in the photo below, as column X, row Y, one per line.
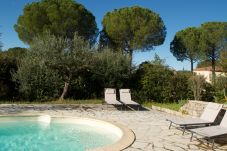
column 126, row 140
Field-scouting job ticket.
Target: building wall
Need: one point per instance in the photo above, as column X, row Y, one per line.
column 208, row 74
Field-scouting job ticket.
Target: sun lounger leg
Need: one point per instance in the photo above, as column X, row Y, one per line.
column 212, row 143
column 191, row 136
column 208, row 141
column 184, row 130
column 170, row 124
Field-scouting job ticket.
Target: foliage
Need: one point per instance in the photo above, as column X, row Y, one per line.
column 172, row 106
column 204, row 63
column 112, row 68
column 7, row 86
column 16, row 52
column 160, row 84
column 219, row 97
column 59, row 17
column 221, row 89
column 133, row 28
column 106, row 42
column 208, row 92
column 214, row 36
column 208, row 63
column 196, row 83
column 137, row 75
column 0, row 43
column 155, row 83
column 36, row 81
column 55, row 64
column 52, row 61
column 9, row 63
column 221, row 83
column 186, row 45
column 179, row 87
column 223, row 60
column 157, row 60
column 185, row 73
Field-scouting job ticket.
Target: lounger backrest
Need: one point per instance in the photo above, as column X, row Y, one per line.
column 110, row 94
column 211, row 111
column 125, row 95
column 224, row 121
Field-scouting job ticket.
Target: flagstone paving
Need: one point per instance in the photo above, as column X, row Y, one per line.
column 150, row 127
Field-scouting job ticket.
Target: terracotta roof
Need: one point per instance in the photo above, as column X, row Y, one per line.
column 217, row 69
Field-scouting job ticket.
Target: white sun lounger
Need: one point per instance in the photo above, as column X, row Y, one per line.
column 212, row 131
column 207, row 118
column 125, row 98
column 110, row 97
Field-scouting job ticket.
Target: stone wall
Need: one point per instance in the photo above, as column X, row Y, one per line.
column 193, row 108
column 168, row 111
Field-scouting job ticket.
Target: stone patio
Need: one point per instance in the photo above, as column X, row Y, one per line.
column 150, row 127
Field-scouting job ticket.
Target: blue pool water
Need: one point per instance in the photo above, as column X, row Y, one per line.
column 27, row 134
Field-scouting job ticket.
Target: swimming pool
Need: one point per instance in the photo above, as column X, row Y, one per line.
column 60, row 134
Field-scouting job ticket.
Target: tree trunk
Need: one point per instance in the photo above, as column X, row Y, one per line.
column 130, row 51
column 130, row 56
column 66, row 87
column 191, row 65
column 213, row 68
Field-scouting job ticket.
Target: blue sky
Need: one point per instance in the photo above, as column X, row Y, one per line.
column 176, row 14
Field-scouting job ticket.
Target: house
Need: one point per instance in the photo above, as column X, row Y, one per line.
column 207, row 72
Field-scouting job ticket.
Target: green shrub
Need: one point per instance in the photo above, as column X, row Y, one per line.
column 208, row 93
column 220, row 88
column 156, row 82
column 197, row 83
column 9, row 63
column 219, row 97
column 112, row 68
column 179, row 87
column 36, row 80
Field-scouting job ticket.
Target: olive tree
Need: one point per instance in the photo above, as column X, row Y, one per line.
column 59, row 17
column 133, row 28
column 36, row 81
column 53, row 62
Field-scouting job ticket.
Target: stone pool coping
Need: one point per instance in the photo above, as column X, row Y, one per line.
column 126, row 140
column 127, row 135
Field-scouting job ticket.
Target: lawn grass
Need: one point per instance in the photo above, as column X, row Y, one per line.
column 67, row 101
column 171, row 106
